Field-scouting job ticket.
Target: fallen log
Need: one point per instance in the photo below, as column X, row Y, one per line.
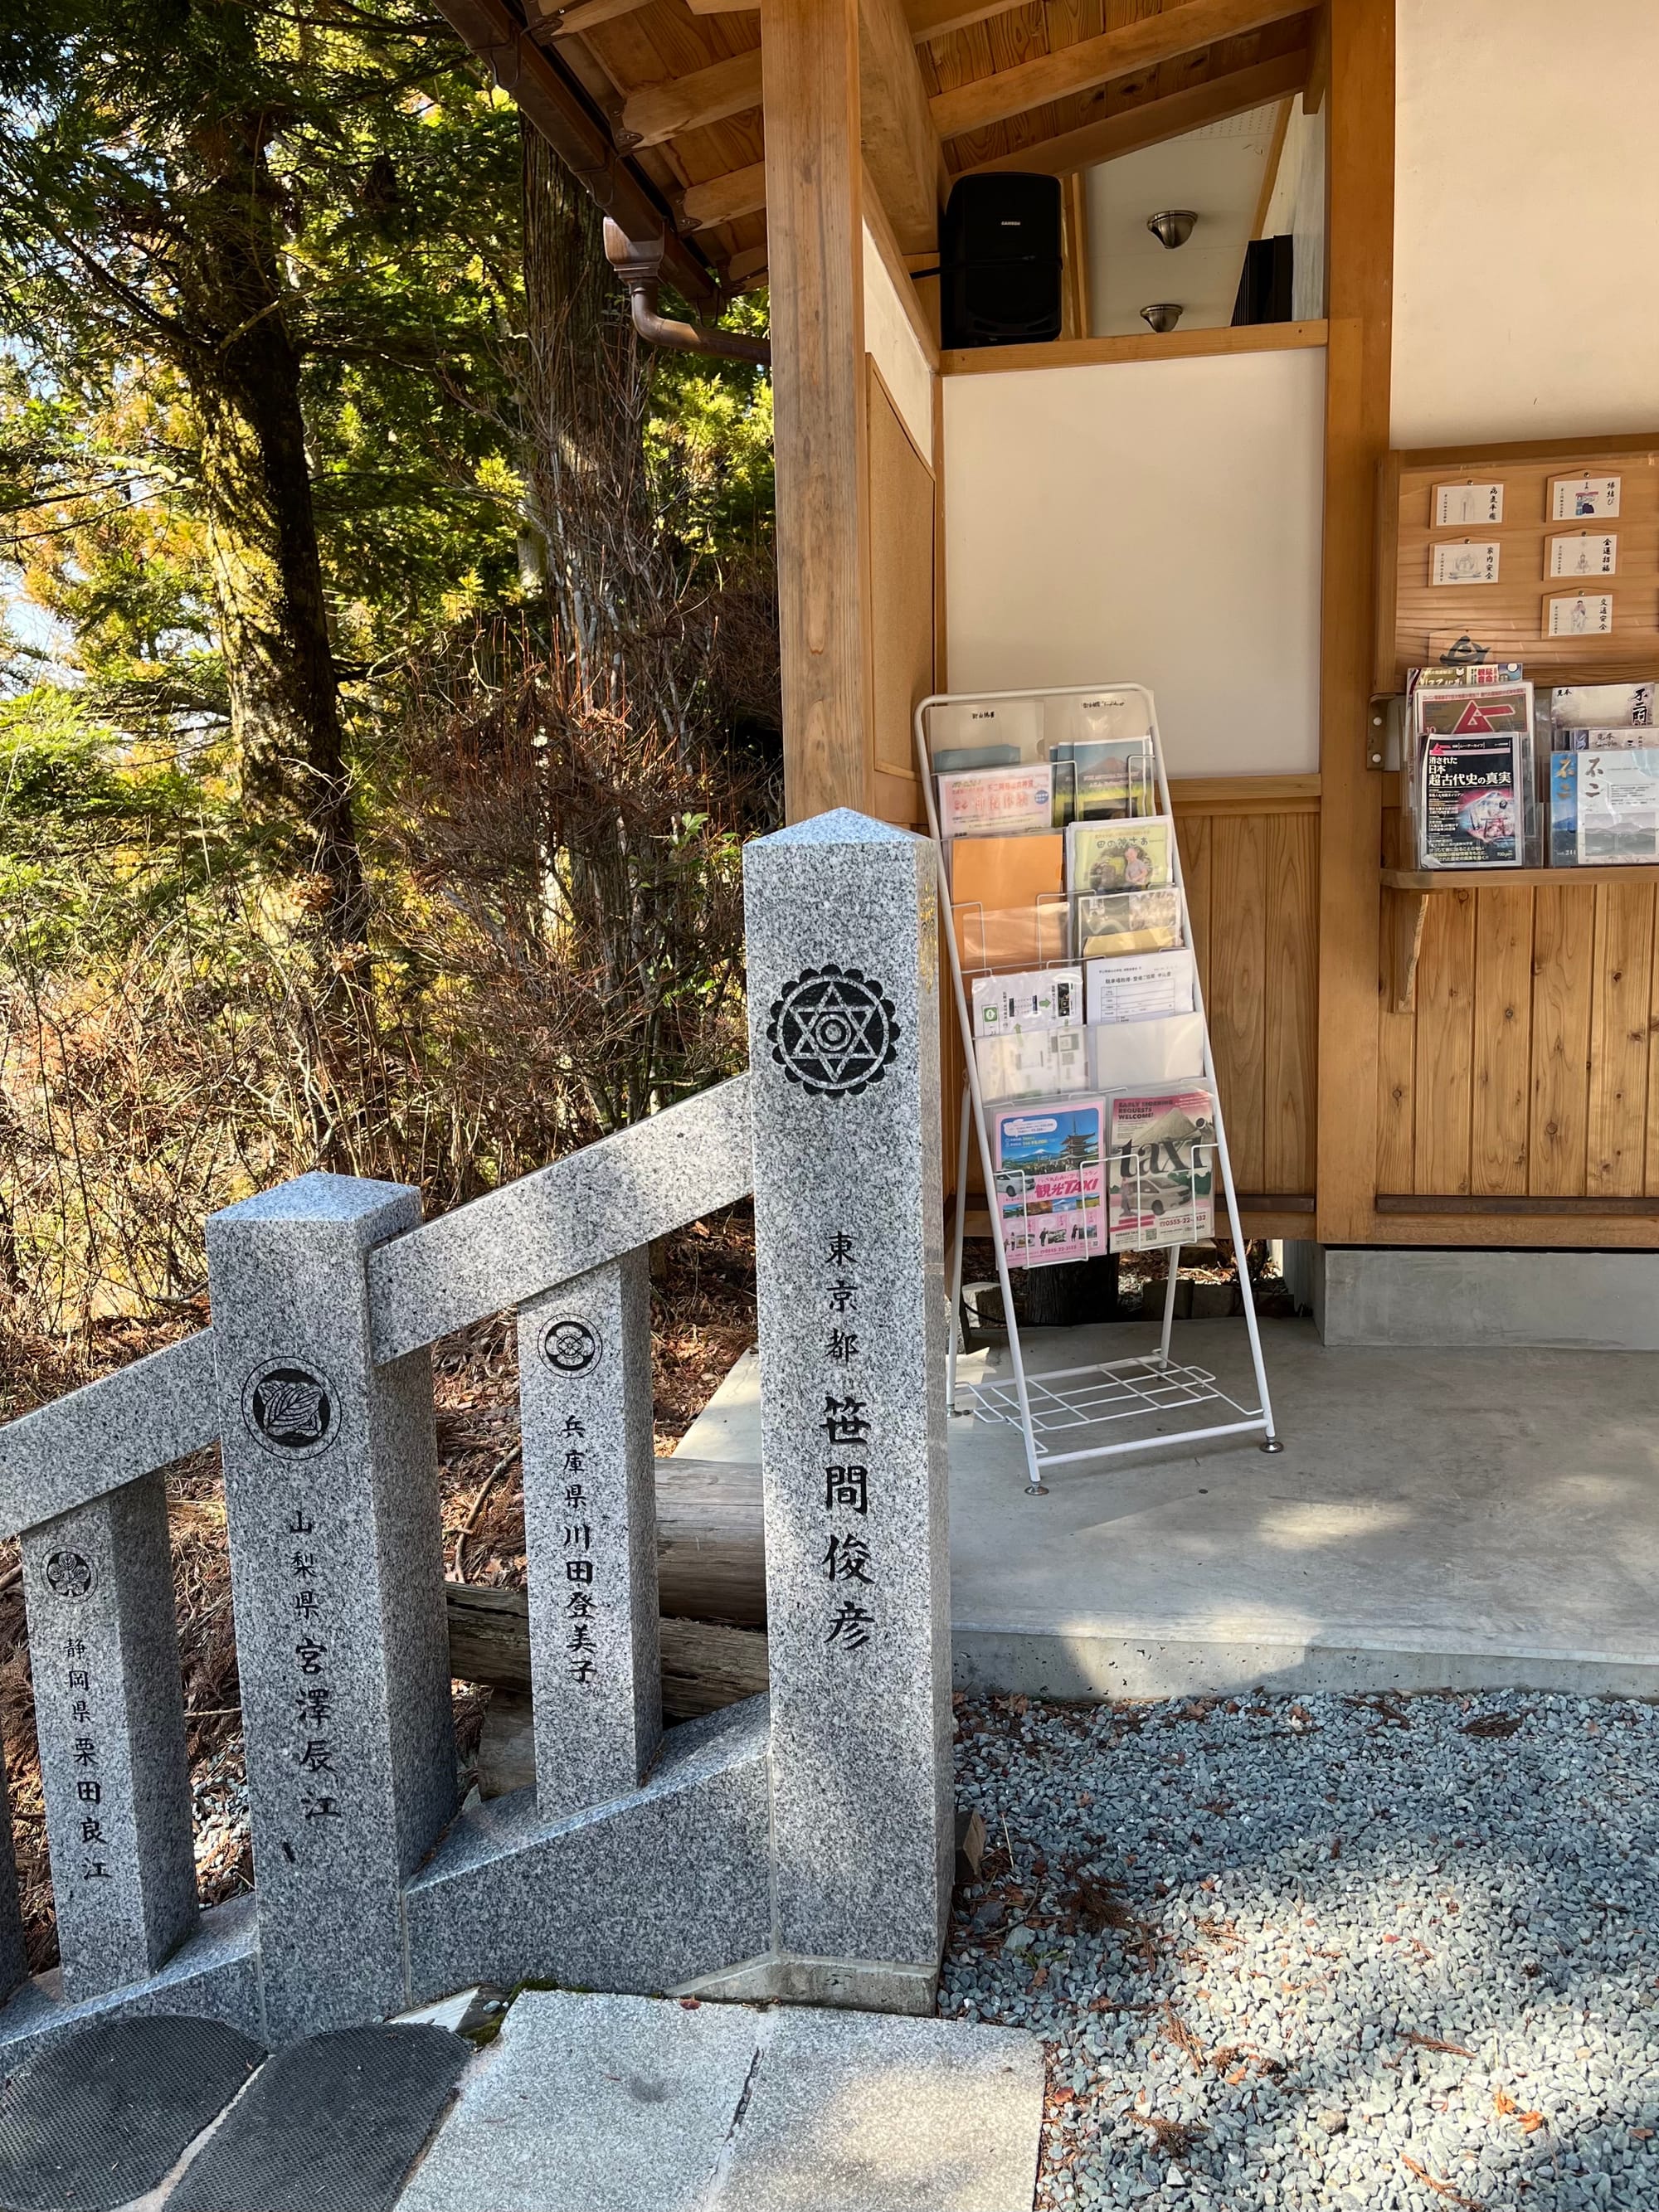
column 705, row 1664
column 711, row 1588
column 711, row 1549
column 704, row 1667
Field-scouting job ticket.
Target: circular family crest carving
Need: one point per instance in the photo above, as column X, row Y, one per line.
column 833, row 1031
column 569, row 1346
column 69, row 1574
column 290, row 1409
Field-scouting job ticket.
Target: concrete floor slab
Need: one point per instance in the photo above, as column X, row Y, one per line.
column 1453, row 1519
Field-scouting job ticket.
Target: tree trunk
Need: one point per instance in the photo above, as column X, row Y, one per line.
column 262, row 524
column 615, row 601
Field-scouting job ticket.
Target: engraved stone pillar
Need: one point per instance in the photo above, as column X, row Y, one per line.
column 109, row 1708
column 843, row 998
column 589, row 1519
column 331, row 1498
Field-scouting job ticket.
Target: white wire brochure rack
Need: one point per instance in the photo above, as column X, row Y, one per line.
column 1070, row 1413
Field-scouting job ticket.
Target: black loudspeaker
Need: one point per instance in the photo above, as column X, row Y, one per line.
column 1266, row 287
column 1000, row 260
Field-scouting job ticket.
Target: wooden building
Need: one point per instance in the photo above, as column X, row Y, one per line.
column 1214, row 511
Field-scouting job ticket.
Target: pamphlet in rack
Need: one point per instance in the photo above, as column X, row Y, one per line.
column 1089, row 1081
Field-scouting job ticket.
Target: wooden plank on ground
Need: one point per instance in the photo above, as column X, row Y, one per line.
column 1503, row 1042
column 1236, row 998
column 1292, row 990
column 1615, row 1151
column 1563, row 947
column 1445, row 1044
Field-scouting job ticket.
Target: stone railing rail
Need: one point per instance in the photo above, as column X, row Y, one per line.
column 592, row 1207
column 798, row 1846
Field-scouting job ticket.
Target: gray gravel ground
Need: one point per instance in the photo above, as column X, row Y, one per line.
column 1329, row 1951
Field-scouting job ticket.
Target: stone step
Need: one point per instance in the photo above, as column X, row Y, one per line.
column 614, row 2104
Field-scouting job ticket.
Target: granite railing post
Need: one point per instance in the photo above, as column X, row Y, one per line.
column 336, row 1545
column 844, row 997
column 109, row 1708
column 590, row 1519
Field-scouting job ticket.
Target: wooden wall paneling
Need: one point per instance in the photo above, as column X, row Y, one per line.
column 1396, row 1099
column 1236, row 998
column 1292, row 1012
column 1503, row 1042
column 1563, row 945
column 941, row 609
column 815, row 229
column 1193, row 836
column 1360, row 231
column 1650, row 1177
column 1417, row 618
column 1621, row 994
column 1445, row 1045
column 900, row 508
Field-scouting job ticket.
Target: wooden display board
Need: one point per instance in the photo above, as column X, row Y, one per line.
column 1420, row 621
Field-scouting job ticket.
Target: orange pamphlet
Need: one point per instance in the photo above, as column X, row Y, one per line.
column 1007, row 894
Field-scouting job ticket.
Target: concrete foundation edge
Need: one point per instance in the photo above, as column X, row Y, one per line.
column 1088, row 1665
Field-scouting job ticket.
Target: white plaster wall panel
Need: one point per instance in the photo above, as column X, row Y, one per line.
column 1297, row 206
column 1526, row 220
column 888, row 335
column 1149, row 521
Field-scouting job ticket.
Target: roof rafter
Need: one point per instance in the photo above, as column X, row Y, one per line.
column 657, row 112
column 1091, row 62
column 1154, row 121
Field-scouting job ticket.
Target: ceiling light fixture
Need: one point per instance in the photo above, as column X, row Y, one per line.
column 1173, row 228
column 1163, row 315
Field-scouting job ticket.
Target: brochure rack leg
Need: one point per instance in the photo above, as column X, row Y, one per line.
column 1270, row 1443
column 1170, row 1304
column 956, row 1336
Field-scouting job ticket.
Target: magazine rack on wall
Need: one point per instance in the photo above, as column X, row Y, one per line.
column 1061, row 1414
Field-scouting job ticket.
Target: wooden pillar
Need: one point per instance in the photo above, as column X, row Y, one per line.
column 814, row 238
column 1360, row 231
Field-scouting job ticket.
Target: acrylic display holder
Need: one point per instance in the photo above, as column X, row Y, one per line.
column 1057, row 1412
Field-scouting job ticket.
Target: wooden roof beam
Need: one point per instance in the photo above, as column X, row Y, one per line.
column 900, row 145
column 662, row 111
column 1155, row 120
column 723, row 199
column 567, row 118
column 937, row 19
column 1139, row 45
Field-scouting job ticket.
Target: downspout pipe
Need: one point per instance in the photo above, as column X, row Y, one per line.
column 638, row 263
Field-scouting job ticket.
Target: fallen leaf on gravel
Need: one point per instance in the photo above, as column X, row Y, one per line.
column 1446, row 2189
column 1434, row 2043
column 1176, row 2137
column 1527, row 2122
column 1494, row 1724
column 1184, row 2040
column 1039, row 1977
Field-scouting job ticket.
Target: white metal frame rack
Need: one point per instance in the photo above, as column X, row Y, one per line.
column 1051, row 1410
